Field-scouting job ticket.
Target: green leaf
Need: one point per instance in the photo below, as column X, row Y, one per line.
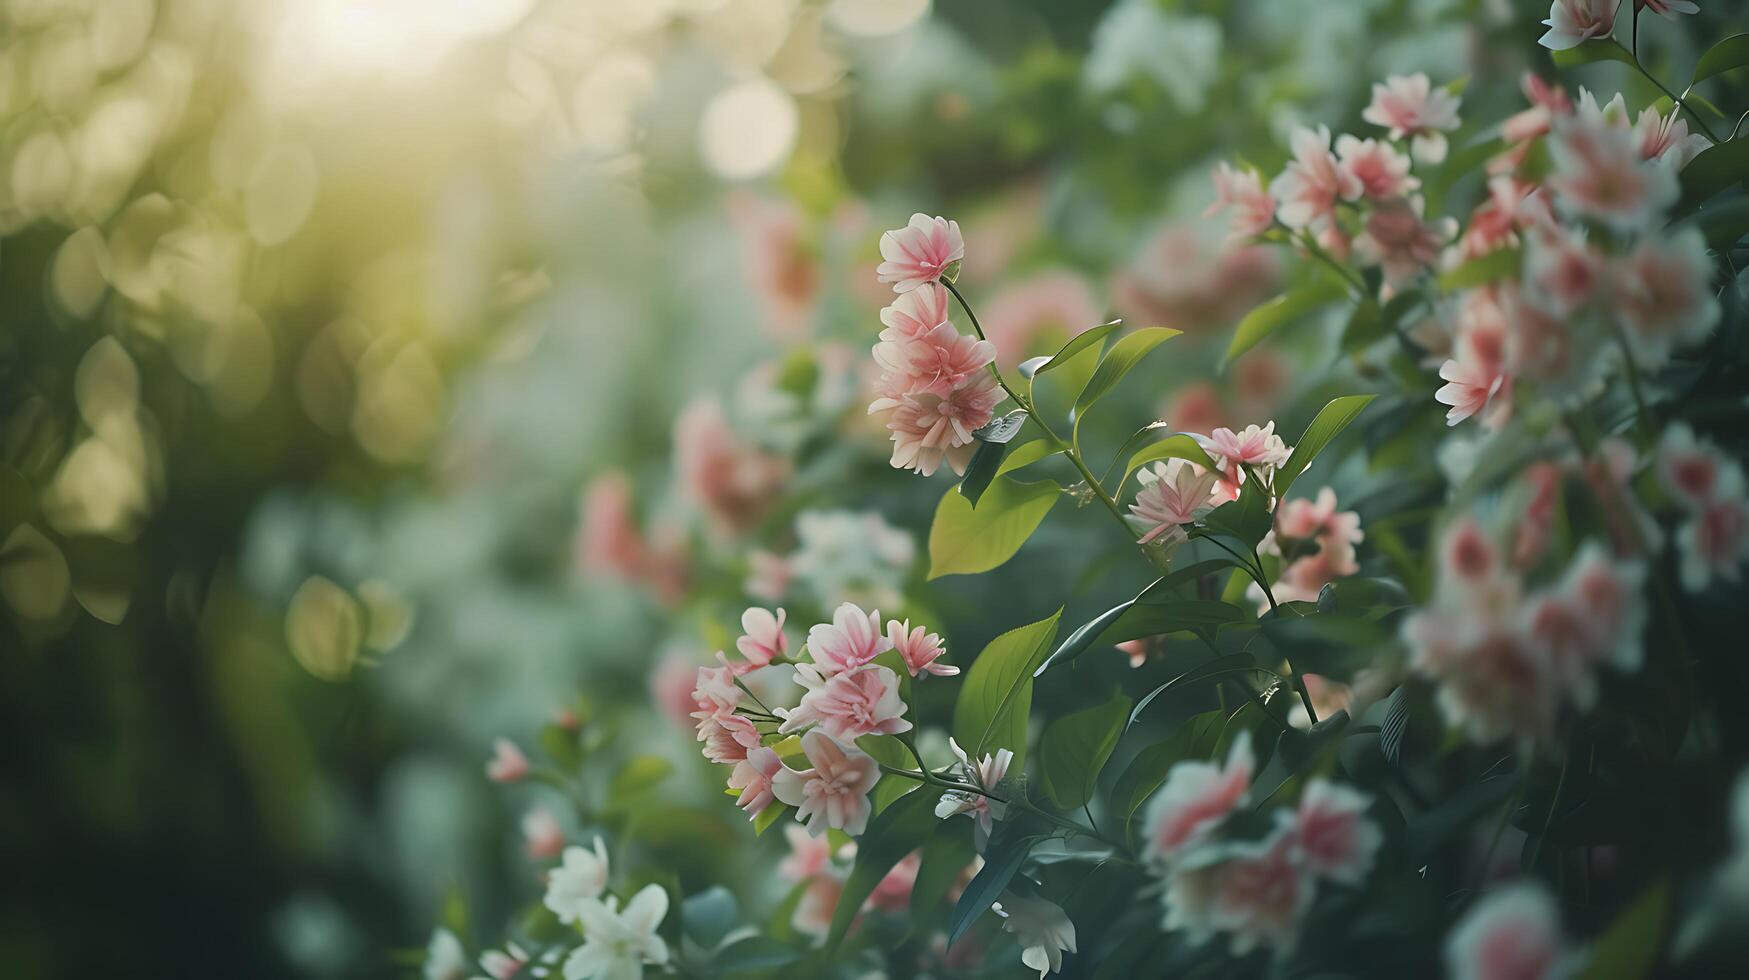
column 1074, row 749
column 1027, row 454
column 1009, row 846
column 1119, row 361
column 1246, row 519
column 1732, row 52
column 996, row 698
column 709, row 916
column 1279, row 312
column 1629, row 950
column 1331, row 420
column 1724, row 223
column 638, row 776
column 1502, row 263
column 993, row 440
column 1173, row 616
column 563, row 745
column 1082, row 638
column 1077, row 344
column 888, row 751
column 893, row 833
column 755, row 953
column 1232, row 663
column 1177, row 446
column 945, row 857
column 1147, row 771
column 1596, row 49
column 1712, row 170
column 964, row 540
column 771, row 815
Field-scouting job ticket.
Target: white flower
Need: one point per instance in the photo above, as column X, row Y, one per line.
column 1042, row 930
column 987, row 774
column 502, row 965
column 444, row 958
column 616, row 944
column 1513, row 932
column 577, row 882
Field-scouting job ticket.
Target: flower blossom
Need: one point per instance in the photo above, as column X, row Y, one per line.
column 731, row 481
column 1561, row 269
column 1598, row 172
column 1331, row 833
column 617, row 943
column 752, row 776
column 834, row 793
column 893, row 892
column 1663, row 292
column 1196, row 797
column 542, row 836
column 727, row 737
column 1510, row 934
column 508, row 764
column 1174, row 492
column 1397, row 240
column 763, row 641
column 1242, row 192
column 1261, row 893
column 504, row 964
column 1313, row 181
column 926, row 250
column 1042, row 929
column 1715, row 542
column 987, row 774
column 1666, row 139
column 444, row 957
column 1253, row 446
column 1573, row 22
column 920, row 649
column 1409, row 106
column 1317, row 522
column 1690, row 469
column 714, row 692
column 1382, row 171
column 850, row 704
column 1670, row 8
column 580, row 878
column 852, row 639
column 1477, row 382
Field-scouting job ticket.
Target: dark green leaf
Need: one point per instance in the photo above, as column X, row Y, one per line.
column 1732, row 52
column 1232, row 663
column 1074, row 749
column 893, row 833
column 1119, row 361
column 888, row 751
column 1723, row 223
column 1246, row 519
column 1280, row 311
column 1191, row 740
column 709, row 916
column 1434, row 827
column 1331, row 420
column 996, row 698
column 1009, row 846
column 1712, row 170
column 1158, row 617
column 755, row 953
column 1597, row 49
column 964, row 540
column 1502, row 263
column 993, row 440
column 1629, row 950
column 1082, row 638
column 945, row 857
column 1177, row 446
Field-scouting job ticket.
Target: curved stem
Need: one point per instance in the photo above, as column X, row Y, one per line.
column 1675, row 99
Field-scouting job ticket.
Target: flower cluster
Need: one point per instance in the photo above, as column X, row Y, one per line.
column 935, row 387
column 1315, row 542
column 1709, row 488
column 616, row 942
column 1257, row 891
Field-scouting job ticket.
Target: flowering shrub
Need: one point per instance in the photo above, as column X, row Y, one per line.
column 1340, row 713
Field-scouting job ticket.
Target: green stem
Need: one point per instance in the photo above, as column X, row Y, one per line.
column 1554, row 804
column 1642, row 418
column 1672, row 96
column 1312, row 247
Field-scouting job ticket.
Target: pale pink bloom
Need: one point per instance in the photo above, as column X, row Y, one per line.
column 727, row 738
column 987, row 773
column 609, row 542
column 763, row 641
column 1477, row 382
column 849, row 705
column 733, row 483
column 1313, row 181
column 928, row 430
column 1536, row 529
column 781, row 263
column 1196, row 408
column 1317, row 519
column 921, row 649
column 834, row 793
column 1608, row 595
column 1573, row 22
column 1259, row 379
column 1467, row 557
column 1017, row 315
column 1555, row 627
column 542, row 836
column 508, row 764
column 1409, row 106
column 714, row 692
column 752, row 776
column 1546, row 348
column 936, row 363
column 1612, row 114
column 808, row 855
column 1253, row 446
column 893, row 892
column 1395, row 238
column 502, row 965
column 1666, row 139
column 768, row 576
column 1670, row 8
column 1180, row 277
column 1242, row 191
column 1598, row 172
column 1547, row 101
column 1174, row 492
column 1383, row 171
column 819, row 903
column 916, row 313
column 671, row 687
column 852, row 639
column 1196, row 797
column 1260, row 894
column 1689, row 468
column 1332, row 834
column 924, row 251
column 1561, row 269
column 1715, row 542
column 1333, row 239
column 1137, row 650
column 1510, row 934
column 1664, row 294
column 1493, row 682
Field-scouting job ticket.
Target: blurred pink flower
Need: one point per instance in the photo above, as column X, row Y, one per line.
column 1395, row 238
column 1669, row 8
column 1313, row 181
column 1018, row 314
column 1242, row 192
column 763, row 639
column 1467, row 558
column 1561, row 269
column 1546, row 348
column 1573, row 22
column 1137, row 650
column 1666, row 139
column 852, row 639
column 893, row 892
column 1196, row 797
column 922, row 252
column 1477, row 382
column 1598, row 172
column 1260, row 894
column 542, row 836
column 808, row 855
column 819, row 903
column 671, row 687
column 1260, row 378
column 1547, row 100
column 1410, row 107
column 1196, row 407
column 753, row 776
column 1608, row 595
column 1332, row 834
column 1173, row 492
column 503, row 964
column 1715, row 542
column 768, row 576
column 1382, row 171
column 610, row 541
column 783, row 266
column 508, row 764
column 1510, row 934
column 733, row 483
column 921, row 649
column 848, row 705
column 834, row 793
column 1663, row 292
column 1180, row 279
column 1492, row 682
column 1687, row 467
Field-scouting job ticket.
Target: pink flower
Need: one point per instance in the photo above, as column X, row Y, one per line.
column 768, row 576
column 834, row 793
column 781, row 263
column 987, row 773
column 1608, row 597
column 1396, row 239
column 1715, row 542
column 1196, row 797
column 732, row 482
column 1251, row 447
column 852, row 639
column 924, row 251
column 937, row 363
column 1543, row 347
column 1477, row 380
column 542, row 836
column 1017, row 316
column 714, row 692
column 671, row 687
column 1137, row 650
column 819, row 903
column 1260, row 378
column 1317, row 520
column 1466, row 556
column 1261, row 893
column 763, row 641
column 609, row 541
column 1669, row 8
column 921, row 649
column 1242, row 191
column 1180, row 277
column 893, row 892
column 808, row 855
column 727, row 738
column 1174, row 492
column 1313, row 182
column 1689, row 468
column 753, row 776
column 928, row 429
column 1598, row 172
column 502, row 965
column 1332, row 834
column 1196, row 408
column 1493, row 683
column 1664, row 294
column 1666, row 138
column 1561, row 270
column 1511, row 934
column 1382, row 171
column 849, row 705
column 916, row 313
column 1573, row 22
column 1546, row 102
column 1409, row 106
column 508, row 764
